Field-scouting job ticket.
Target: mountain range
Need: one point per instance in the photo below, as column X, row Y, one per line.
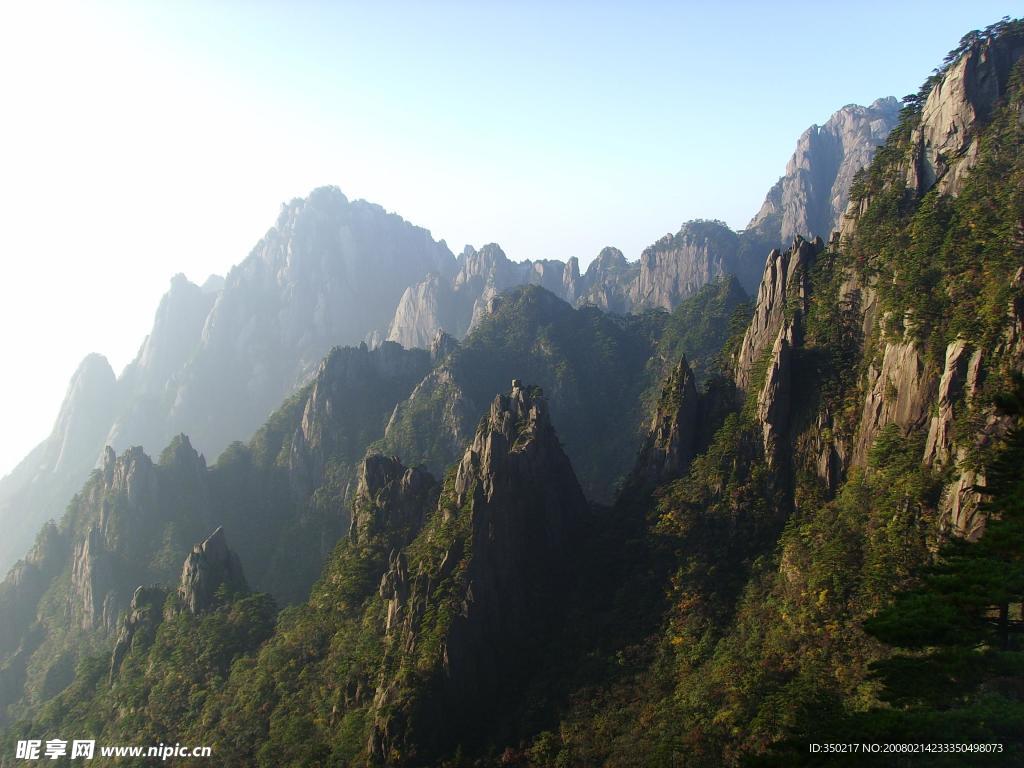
column 221, row 356
column 752, row 491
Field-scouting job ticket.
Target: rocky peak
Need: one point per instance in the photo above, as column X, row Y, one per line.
column 609, row 262
column 812, row 196
column 131, row 473
column 209, row 566
column 504, row 576
column 608, row 282
column 946, row 139
column 482, row 265
column 783, row 285
column 140, row 620
column 442, row 345
column 516, row 438
column 213, row 284
column 84, row 416
column 177, row 331
column 390, row 499
column 677, row 266
column 180, row 454
column 672, row 438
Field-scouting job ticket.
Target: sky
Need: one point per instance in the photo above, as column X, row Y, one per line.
column 139, row 140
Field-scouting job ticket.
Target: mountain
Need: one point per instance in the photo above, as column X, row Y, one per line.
column 599, row 373
column 286, row 494
column 809, row 200
column 221, row 357
column 439, row 599
column 812, row 196
column 702, row 573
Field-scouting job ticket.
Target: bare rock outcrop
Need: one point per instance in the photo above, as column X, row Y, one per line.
column 210, row 565
column 390, row 499
column 671, row 442
column 784, row 284
column 812, row 196
column 946, row 139
column 677, row 266
column 143, row 616
column 899, row 392
column 773, row 401
column 957, row 387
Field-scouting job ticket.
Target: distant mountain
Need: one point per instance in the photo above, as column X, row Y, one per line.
column 811, row 198
column 668, row 272
column 221, row 357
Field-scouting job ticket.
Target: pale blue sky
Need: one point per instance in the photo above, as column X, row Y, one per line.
column 143, row 139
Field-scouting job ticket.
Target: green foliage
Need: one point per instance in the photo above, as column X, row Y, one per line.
column 601, row 375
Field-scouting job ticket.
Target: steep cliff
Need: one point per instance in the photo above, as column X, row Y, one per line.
column 501, row 534
column 677, row 266
column 674, row 432
column 38, row 489
column 210, row 567
column 812, row 196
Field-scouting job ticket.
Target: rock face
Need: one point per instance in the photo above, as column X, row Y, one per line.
column 672, row 439
column 945, row 142
column 773, row 401
column 25, row 584
column 901, row 392
column 456, row 304
column 41, row 485
column 609, row 282
column 140, row 620
column 354, row 391
column 668, row 272
column 811, row 198
column 784, row 284
column 210, row 566
column 520, row 506
column 959, row 378
column 678, row 266
column 390, row 498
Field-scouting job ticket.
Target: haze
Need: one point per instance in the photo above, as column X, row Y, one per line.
column 141, row 140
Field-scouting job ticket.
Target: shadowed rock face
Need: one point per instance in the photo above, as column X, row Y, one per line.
column 142, row 618
column 390, row 499
column 210, row 565
column 784, row 281
column 506, row 575
column 673, row 435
